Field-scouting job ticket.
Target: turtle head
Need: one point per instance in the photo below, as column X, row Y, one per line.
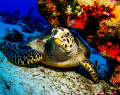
column 63, row 38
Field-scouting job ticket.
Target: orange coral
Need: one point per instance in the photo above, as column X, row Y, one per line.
column 54, row 22
column 87, row 11
column 116, row 13
column 79, row 22
column 110, row 50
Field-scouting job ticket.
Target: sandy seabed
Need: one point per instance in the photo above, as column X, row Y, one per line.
column 45, row 80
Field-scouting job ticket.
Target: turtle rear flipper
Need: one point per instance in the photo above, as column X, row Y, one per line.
column 20, row 54
column 90, row 67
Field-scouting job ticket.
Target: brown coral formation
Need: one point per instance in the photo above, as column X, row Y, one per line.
column 49, row 10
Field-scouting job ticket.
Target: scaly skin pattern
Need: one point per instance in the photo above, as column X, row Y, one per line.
column 59, row 49
column 20, row 54
column 90, row 67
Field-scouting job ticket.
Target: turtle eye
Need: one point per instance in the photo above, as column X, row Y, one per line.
column 67, row 34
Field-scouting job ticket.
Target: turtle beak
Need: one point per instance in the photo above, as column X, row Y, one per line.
column 57, row 41
column 57, row 34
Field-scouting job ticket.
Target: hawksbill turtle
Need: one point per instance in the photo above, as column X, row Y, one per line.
column 61, row 48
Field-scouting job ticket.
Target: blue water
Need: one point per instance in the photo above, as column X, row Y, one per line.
column 24, row 7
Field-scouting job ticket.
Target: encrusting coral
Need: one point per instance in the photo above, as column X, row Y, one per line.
column 97, row 21
column 115, row 79
column 73, row 13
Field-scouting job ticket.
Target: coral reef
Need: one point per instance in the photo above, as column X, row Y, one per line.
column 115, row 79
column 107, row 40
column 97, row 21
column 73, row 13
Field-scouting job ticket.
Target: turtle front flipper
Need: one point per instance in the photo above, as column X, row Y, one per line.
column 90, row 67
column 20, row 54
